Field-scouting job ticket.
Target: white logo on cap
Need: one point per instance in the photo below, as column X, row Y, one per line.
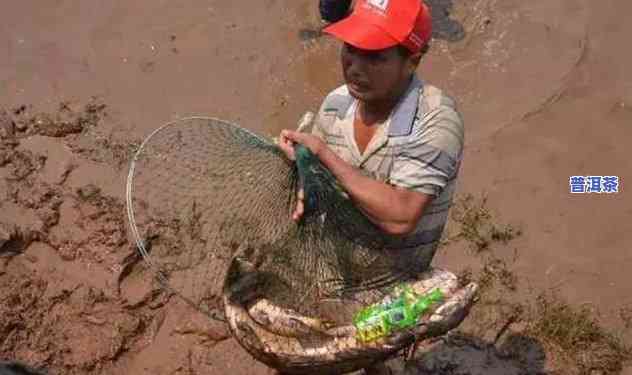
column 380, row 4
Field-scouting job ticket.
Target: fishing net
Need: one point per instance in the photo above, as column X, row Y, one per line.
column 202, row 192
column 210, row 204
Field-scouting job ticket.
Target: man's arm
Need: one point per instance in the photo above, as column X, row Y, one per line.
column 395, row 210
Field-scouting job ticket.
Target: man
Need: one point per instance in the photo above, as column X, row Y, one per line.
column 393, row 142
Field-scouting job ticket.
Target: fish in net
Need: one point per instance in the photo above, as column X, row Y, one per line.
column 206, row 191
column 209, row 205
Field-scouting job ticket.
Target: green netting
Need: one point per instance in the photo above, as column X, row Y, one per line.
column 202, row 191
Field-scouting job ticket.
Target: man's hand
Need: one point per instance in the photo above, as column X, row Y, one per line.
column 288, row 138
column 300, row 205
column 286, row 142
column 395, row 210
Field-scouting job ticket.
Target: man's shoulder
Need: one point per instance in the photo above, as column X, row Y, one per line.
column 438, row 122
column 336, row 100
column 335, row 104
column 340, row 90
column 436, row 107
column 432, row 98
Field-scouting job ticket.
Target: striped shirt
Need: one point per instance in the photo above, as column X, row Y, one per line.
column 419, row 147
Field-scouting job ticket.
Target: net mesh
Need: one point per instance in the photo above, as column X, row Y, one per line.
column 202, row 192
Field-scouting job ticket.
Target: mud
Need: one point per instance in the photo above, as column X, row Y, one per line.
column 544, row 87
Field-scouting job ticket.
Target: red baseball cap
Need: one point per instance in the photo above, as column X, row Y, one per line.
column 380, row 24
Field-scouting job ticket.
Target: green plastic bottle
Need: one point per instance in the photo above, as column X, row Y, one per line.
column 399, row 310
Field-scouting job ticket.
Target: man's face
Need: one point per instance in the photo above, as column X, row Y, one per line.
column 375, row 75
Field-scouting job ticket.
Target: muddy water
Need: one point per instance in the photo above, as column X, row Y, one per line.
column 152, row 61
column 577, row 243
column 247, row 63
column 544, row 87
